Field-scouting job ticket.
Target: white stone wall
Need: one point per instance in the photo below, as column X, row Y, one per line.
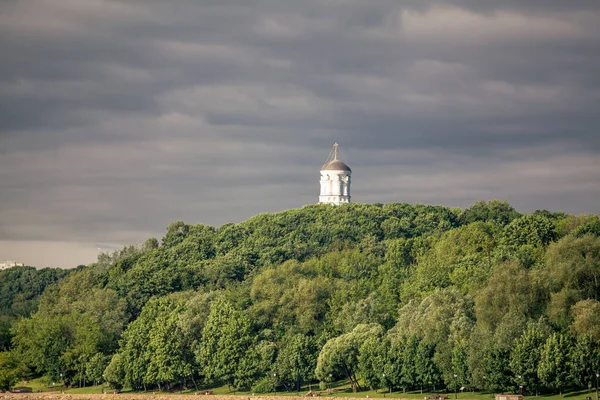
column 335, row 187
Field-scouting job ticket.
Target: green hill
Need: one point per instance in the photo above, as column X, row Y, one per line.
column 398, row 295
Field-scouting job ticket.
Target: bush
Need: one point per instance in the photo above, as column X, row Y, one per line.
column 265, row 385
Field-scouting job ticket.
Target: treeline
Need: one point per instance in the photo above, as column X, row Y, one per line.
column 20, row 289
column 395, row 295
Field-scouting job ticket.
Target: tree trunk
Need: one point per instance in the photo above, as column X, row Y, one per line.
column 356, row 380
column 349, row 376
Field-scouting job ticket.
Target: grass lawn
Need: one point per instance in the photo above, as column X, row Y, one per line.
column 416, row 395
column 89, row 389
column 39, row 385
column 342, row 389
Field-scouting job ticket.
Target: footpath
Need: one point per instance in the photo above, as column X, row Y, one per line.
column 137, row 396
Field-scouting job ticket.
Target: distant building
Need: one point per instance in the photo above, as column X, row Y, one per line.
column 335, row 180
column 10, row 264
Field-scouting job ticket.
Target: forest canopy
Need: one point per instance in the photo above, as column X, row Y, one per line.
column 384, row 295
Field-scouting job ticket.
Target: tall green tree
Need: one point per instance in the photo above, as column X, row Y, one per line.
column 583, row 361
column 227, row 342
column 297, row 360
column 339, row 356
column 372, row 361
column 154, row 351
column 553, row 367
column 460, row 365
column 427, row 372
column 114, row 373
column 409, row 377
column 394, row 352
column 170, row 359
column 497, row 371
column 94, row 369
column 525, row 358
column 11, row 370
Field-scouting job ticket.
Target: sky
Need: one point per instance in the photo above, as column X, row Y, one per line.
column 118, row 118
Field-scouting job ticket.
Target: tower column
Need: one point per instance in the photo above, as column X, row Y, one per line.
column 335, row 180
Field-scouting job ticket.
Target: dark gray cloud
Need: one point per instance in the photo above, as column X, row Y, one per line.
column 119, row 117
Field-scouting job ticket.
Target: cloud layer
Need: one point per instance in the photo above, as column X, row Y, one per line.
column 119, row 117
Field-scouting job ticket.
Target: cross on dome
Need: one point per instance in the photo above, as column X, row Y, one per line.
column 333, row 163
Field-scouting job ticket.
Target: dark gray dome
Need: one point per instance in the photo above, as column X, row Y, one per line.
column 335, row 165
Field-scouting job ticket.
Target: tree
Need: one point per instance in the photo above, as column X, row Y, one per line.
column 227, row 339
column 441, row 315
column 194, row 316
column 574, row 263
column 133, row 357
column 526, row 356
column 154, row 350
column 460, row 365
column 497, row 372
column 553, row 368
column 497, row 211
column 586, row 318
column 461, row 257
column 11, row 369
column 527, row 237
column 170, row 358
column 409, row 361
column 297, row 360
column 95, row 367
column 372, row 360
column 339, row 356
column 511, row 289
column 427, row 372
column 114, row 373
column 176, row 233
column 6, row 323
column 583, row 361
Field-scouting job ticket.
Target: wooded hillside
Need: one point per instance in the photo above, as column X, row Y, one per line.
column 398, row 295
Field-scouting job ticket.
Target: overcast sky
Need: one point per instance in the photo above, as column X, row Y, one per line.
column 120, row 117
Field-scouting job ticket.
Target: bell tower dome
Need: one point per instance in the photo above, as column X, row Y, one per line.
column 335, row 180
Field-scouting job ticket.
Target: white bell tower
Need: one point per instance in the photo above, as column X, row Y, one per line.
column 335, row 180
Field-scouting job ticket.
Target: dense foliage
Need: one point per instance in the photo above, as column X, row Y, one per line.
column 395, row 295
column 20, row 289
